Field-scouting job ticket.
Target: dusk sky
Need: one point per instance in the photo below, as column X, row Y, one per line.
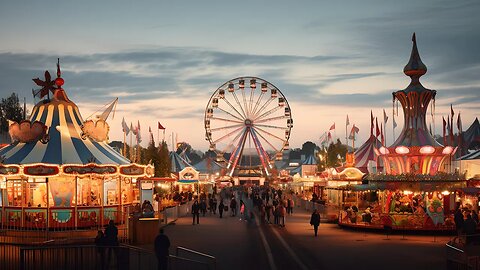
column 164, row 59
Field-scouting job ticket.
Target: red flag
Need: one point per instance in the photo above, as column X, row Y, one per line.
column 444, row 131
column 332, row 127
column 329, row 136
column 160, row 126
column 381, row 134
column 385, row 117
column 348, row 121
column 353, row 131
column 451, row 111
column 371, row 123
column 377, row 129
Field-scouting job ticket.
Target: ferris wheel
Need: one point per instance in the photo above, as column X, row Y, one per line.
column 248, row 122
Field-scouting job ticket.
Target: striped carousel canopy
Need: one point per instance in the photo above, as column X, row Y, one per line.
column 366, row 153
column 56, row 140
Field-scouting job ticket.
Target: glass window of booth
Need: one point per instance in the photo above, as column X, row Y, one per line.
column 36, row 192
column 89, row 191
column 15, row 192
column 110, row 191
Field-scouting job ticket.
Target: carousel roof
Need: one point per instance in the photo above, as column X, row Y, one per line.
column 366, row 152
column 66, row 143
column 208, row 165
column 177, row 162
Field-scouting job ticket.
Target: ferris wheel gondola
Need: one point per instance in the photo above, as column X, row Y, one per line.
column 247, row 127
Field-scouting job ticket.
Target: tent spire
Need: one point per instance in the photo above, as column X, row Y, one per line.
column 415, row 68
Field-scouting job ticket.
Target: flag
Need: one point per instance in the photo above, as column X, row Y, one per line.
column 348, row 121
column 459, row 124
column 125, row 128
column 451, row 111
column 332, row 127
column 139, row 137
column 371, row 122
column 133, row 130
column 449, row 129
column 444, row 131
column 352, row 132
column 381, row 134
column 377, row 129
column 329, row 136
column 385, row 117
column 160, row 126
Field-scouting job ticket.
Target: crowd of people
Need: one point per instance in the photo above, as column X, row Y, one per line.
column 466, row 223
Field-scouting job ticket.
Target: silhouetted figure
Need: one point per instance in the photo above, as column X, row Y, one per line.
column 195, row 211
column 162, row 244
column 221, row 207
column 100, row 243
column 111, row 240
column 469, row 228
column 458, row 218
column 233, row 206
column 315, row 221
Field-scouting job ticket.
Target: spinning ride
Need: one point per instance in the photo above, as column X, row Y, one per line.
column 248, row 122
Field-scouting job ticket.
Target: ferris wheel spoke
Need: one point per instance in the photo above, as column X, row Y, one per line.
column 238, row 152
column 265, row 140
column 233, row 141
column 271, row 134
column 225, row 120
column 226, row 127
column 245, row 103
column 260, row 151
column 263, row 107
column 258, row 102
column 271, row 126
column 236, row 117
column 231, row 106
column 251, row 99
column 267, row 113
column 239, row 105
column 271, row 119
column 227, row 135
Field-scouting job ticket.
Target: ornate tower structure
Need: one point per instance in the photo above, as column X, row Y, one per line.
column 415, row 150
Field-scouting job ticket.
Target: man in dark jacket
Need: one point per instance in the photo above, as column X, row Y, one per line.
column 221, row 207
column 162, row 244
column 195, row 211
column 458, row 218
column 469, row 228
column 315, row 221
column 233, row 206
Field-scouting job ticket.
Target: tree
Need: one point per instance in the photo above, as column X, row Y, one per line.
column 10, row 109
column 164, row 165
column 308, row 148
column 334, row 152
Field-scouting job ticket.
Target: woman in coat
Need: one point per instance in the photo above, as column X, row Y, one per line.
column 315, row 221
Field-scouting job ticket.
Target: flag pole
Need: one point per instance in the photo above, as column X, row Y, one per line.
column 124, row 144
column 158, row 135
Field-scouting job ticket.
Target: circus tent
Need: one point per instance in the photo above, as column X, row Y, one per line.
column 472, row 135
column 208, row 165
column 366, row 153
column 177, row 162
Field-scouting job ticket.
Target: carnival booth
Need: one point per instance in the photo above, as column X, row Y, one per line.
column 417, row 190
column 59, row 171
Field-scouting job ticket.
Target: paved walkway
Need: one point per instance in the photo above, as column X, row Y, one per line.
column 248, row 245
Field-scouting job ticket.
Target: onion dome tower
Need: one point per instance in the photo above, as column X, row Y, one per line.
column 415, row 150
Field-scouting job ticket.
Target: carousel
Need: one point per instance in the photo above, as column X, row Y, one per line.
column 417, row 190
column 59, row 172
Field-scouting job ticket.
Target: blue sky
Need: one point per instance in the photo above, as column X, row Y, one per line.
column 164, row 59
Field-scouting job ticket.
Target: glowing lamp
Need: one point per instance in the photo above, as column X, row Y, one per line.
column 402, row 150
column 407, row 192
column 59, row 82
column 134, row 180
column 426, row 150
column 384, row 151
column 447, row 150
column 445, row 192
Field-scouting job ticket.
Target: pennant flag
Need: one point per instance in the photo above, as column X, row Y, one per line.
column 385, row 117
column 381, row 134
column 332, row 127
column 377, row 129
column 133, row 130
column 444, row 131
column 371, row 123
column 329, row 138
column 348, row 121
column 139, row 137
column 353, row 131
column 125, row 127
column 160, row 126
column 459, row 124
column 451, row 111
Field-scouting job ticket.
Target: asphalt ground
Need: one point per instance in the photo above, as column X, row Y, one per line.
column 239, row 244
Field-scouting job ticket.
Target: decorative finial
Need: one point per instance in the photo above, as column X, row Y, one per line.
column 59, row 81
column 415, row 67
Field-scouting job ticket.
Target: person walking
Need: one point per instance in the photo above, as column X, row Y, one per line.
column 100, row 244
column 282, row 213
column 221, row 207
column 315, row 221
column 458, row 218
column 268, row 212
column 195, row 211
column 111, row 240
column 162, row 244
column 214, row 205
column 233, row 206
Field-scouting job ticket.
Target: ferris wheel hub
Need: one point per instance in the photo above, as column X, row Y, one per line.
column 248, row 122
